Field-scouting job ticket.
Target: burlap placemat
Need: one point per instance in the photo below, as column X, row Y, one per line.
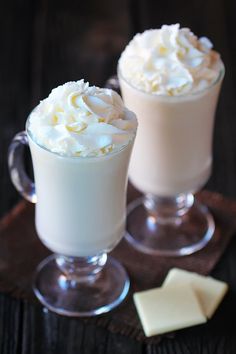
column 21, row 251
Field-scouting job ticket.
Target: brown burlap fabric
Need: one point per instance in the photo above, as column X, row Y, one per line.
column 21, row 251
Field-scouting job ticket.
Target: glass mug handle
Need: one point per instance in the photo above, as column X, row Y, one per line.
column 113, row 83
column 18, row 175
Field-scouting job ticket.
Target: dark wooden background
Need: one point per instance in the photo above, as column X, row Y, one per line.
column 45, row 43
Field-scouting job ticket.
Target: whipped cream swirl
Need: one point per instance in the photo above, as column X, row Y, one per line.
column 169, row 61
column 81, row 120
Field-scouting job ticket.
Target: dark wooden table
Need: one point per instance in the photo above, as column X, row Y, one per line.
column 46, row 43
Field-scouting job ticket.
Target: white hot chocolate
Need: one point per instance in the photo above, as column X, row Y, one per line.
column 171, row 79
column 81, row 139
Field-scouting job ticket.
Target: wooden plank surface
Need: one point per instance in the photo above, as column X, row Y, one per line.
column 45, row 43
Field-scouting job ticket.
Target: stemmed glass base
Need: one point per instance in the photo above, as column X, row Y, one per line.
column 163, row 226
column 81, row 286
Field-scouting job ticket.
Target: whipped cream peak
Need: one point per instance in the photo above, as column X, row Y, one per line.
column 81, row 120
column 169, row 61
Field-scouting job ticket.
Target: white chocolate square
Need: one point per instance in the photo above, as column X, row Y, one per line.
column 167, row 309
column 209, row 291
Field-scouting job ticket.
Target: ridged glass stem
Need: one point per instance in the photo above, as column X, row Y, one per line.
column 77, row 270
column 167, row 209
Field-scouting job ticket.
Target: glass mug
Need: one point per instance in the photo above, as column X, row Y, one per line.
column 171, row 160
column 80, row 216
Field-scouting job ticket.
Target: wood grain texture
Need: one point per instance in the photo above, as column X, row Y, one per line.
column 45, row 43
column 17, row 264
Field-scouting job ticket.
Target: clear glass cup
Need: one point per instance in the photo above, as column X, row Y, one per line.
column 171, row 160
column 80, row 216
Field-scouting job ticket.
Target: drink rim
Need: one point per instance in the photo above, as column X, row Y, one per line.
column 81, row 158
column 187, row 95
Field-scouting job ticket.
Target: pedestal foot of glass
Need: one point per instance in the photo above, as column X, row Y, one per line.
column 81, row 286
column 163, row 226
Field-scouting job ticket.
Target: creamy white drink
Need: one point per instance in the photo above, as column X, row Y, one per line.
column 80, row 139
column 171, row 80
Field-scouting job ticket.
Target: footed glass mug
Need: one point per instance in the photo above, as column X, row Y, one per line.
column 171, row 160
column 80, row 217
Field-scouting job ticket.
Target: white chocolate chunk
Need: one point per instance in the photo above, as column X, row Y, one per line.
column 167, row 309
column 209, row 291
